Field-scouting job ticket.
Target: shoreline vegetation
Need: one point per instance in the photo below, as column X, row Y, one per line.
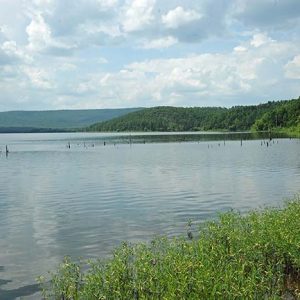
column 273, row 116
column 251, row 256
column 276, row 116
column 292, row 131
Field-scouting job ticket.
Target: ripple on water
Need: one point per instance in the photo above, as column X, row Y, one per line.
column 85, row 201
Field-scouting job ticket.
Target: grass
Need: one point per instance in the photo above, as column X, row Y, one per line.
column 291, row 131
column 255, row 256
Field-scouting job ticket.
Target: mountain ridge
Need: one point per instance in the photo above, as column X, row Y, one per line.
column 265, row 116
column 65, row 119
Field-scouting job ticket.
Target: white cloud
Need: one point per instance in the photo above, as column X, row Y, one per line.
column 10, row 53
column 40, row 37
column 60, row 27
column 82, row 53
column 240, row 49
column 202, row 79
column 160, row 43
column 138, row 15
column 260, row 39
column 10, row 48
column 178, row 17
column 197, row 76
column 39, row 34
column 96, row 27
column 39, row 78
column 292, row 68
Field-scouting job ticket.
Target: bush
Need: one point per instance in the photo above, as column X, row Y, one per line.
column 256, row 256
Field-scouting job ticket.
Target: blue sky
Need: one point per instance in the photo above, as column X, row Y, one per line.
column 66, row 54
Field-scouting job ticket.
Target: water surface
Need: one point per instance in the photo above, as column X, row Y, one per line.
column 106, row 188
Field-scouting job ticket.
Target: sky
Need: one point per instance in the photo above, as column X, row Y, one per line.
column 84, row 54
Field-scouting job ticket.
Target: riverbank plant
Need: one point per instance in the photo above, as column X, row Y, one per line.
column 253, row 256
column 292, row 132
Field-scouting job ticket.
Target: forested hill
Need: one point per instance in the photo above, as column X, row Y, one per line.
column 280, row 114
column 56, row 119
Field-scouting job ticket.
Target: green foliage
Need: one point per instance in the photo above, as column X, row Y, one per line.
column 166, row 118
column 236, row 257
column 284, row 115
column 66, row 283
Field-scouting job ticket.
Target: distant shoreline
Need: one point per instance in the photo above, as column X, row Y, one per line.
column 31, row 130
column 290, row 132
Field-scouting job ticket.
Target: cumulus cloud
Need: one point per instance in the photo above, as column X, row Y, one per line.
column 12, row 54
column 138, row 15
column 240, row 49
column 203, row 79
column 39, row 78
column 292, row 68
column 60, row 27
column 260, row 39
column 64, row 17
column 202, row 20
column 178, row 16
column 112, row 53
column 40, row 38
column 39, row 33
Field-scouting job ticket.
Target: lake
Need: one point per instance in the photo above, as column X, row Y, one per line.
column 82, row 194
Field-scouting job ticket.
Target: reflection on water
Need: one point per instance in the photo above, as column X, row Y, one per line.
column 28, row 290
column 86, row 199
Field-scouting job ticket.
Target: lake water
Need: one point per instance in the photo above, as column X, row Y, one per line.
column 107, row 188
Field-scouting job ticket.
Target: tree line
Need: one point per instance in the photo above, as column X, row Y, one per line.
column 267, row 116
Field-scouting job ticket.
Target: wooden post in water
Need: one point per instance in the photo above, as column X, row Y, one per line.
column 6, row 150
